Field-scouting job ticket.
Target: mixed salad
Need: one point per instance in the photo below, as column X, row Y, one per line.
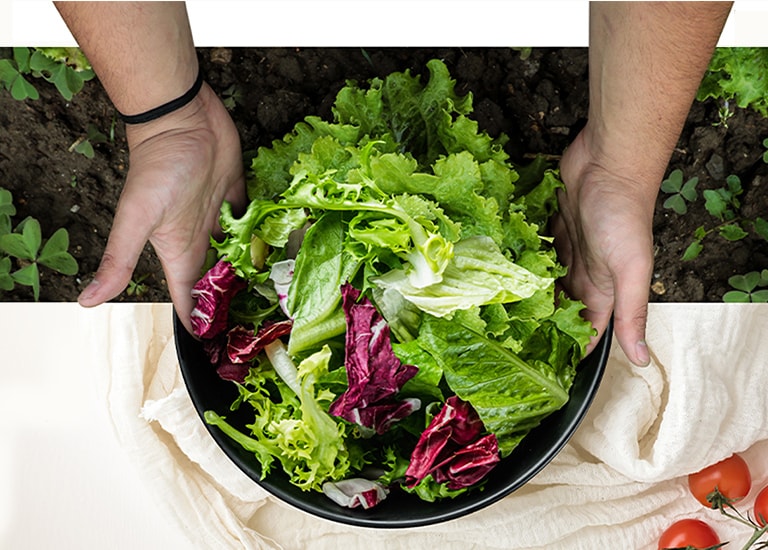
column 386, row 306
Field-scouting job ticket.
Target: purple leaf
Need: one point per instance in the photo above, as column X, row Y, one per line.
column 452, row 450
column 243, row 345
column 236, row 372
column 374, row 373
column 232, row 352
column 213, row 294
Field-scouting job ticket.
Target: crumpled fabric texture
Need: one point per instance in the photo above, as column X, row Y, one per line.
column 617, row 484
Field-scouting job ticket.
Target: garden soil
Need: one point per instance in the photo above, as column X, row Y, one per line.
column 538, row 98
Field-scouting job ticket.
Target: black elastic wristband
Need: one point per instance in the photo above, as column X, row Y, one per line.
column 166, row 108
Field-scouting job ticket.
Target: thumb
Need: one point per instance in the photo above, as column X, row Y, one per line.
column 129, row 233
column 631, row 315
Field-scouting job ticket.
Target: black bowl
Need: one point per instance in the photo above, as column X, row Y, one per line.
column 399, row 509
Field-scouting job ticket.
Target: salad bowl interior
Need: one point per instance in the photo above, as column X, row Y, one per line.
column 399, row 510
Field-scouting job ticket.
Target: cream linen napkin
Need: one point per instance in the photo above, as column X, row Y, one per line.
column 617, row 484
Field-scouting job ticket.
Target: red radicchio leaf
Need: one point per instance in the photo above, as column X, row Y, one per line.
column 236, row 372
column 231, row 353
column 215, row 348
column 374, row 373
column 452, row 450
column 213, row 294
column 243, row 345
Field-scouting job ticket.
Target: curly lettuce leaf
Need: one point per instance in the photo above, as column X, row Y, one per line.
column 737, row 74
column 295, row 430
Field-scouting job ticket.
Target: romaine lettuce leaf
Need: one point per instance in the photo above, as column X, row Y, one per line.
column 478, row 274
column 511, row 395
column 314, row 300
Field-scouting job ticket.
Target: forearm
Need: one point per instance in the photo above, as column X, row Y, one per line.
column 646, row 63
column 142, row 52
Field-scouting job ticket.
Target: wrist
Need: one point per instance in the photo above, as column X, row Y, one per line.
column 167, row 107
column 625, row 153
column 591, row 162
column 192, row 115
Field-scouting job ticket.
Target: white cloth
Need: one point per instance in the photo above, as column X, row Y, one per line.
column 617, row 484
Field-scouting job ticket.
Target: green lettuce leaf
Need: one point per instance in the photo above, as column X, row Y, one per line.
column 478, row 274
column 511, row 395
column 295, row 430
column 314, row 299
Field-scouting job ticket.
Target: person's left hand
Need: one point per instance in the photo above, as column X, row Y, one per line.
column 182, row 167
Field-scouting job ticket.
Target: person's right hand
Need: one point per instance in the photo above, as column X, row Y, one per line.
column 603, row 234
column 182, row 167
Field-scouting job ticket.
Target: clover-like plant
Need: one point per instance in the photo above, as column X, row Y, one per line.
column 723, row 204
column 750, row 287
column 65, row 68
column 680, row 193
column 13, row 74
column 24, row 248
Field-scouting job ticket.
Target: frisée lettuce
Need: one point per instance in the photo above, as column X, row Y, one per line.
column 392, row 283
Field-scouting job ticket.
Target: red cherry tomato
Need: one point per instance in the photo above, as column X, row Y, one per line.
column 730, row 476
column 692, row 533
column 761, row 507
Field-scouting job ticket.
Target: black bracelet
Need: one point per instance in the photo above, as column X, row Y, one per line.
column 166, row 108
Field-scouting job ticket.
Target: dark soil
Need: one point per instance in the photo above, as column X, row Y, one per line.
column 540, row 101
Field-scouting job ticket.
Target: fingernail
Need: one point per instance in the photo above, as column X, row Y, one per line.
column 89, row 291
column 643, row 357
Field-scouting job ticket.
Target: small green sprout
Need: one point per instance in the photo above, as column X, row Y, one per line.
column 65, row 68
column 136, row 286
column 681, row 193
column 745, row 288
column 231, row 97
column 84, row 144
column 24, row 247
column 12, row 75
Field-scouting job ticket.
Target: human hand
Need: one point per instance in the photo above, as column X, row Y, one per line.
column 182, row 167
column 603, row 233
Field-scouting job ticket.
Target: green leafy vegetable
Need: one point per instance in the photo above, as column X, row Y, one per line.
column 24, row 246
column 403, row 202
column 737, row 74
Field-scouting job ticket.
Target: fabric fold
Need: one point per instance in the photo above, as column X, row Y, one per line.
column 618, row 483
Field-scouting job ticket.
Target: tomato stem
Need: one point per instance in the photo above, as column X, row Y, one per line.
column 755, row 536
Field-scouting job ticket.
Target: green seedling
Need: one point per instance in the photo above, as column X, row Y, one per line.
column 724, row 113
column 722, row 204
column 25, row 245
column 680, row 193
column 136, row 287
column 525, row 53
column 746, row 288
column 12, row 75
column 65, row 68
column 765, row 153
column 7, row 210
column 367, row 56
column 84, row 144
column 231, row 97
